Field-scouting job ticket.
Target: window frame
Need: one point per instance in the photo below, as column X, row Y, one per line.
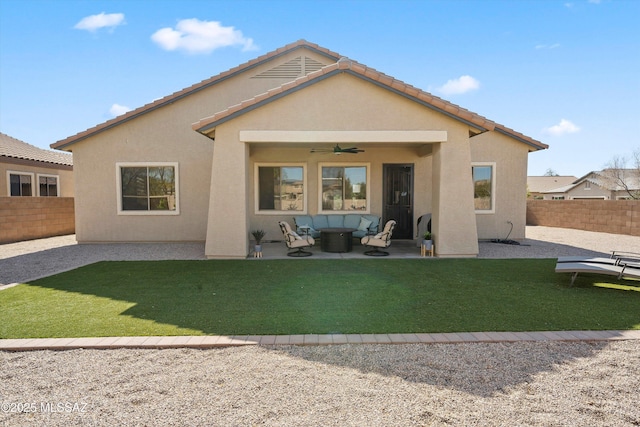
column 493, row 187
column 13, row 172
column 176, row 175
column 366, row 165
column 45, row 175
column 256, row 188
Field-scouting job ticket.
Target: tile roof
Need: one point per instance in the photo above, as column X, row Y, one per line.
column 607, row 179
column 14, row 148
column 360, row 70
column 192, row 89
column 539, row 184
column 342, row 65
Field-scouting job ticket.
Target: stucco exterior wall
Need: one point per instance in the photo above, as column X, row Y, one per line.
column 65, row 177
column 162, row 135
column 152, row 138
column 510, row 157
column 453, row 223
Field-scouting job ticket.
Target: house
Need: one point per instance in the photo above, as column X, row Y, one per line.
column 36, row 191
column 607, row 184
column 244, row 149
column 26, row 170
column 537, row 185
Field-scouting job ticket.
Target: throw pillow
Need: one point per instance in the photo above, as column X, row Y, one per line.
column 364, row 224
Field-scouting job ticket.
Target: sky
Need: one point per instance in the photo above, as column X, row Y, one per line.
column 565, row 72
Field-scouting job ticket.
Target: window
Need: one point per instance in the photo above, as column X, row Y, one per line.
column 484, row 187
column 147, row 188
column 280, row 187
column 587, row 185
column 344, row 188
column 48, row 185
column 20, row 184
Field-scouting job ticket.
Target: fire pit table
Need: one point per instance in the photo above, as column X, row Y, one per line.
column 336, row 239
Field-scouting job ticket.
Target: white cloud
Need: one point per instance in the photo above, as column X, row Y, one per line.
column 460, row 85
column 95, row 22
column 548, row 46
column 118, row 110
column 562, row 128
column 195, row 36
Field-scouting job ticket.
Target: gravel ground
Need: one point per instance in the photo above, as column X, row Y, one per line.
column 507, row 384
column 526, row 384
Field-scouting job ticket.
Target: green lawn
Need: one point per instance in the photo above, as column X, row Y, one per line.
column 315, row 296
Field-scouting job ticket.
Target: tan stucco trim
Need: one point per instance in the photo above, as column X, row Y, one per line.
column 358, row 136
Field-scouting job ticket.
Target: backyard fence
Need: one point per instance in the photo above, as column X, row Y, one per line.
column 26, row 218
column 606, row 216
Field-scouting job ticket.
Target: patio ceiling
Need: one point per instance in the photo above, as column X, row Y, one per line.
column 365, row 139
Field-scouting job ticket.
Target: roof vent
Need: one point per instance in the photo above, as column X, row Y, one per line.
column 293, row 69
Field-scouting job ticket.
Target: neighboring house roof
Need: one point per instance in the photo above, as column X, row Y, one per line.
column 599, row 178
column 541, row 184
column 559, row 189
column 481, row 124
column 15, row 149
column 603, row 178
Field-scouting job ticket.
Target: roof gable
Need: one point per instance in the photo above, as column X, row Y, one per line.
column 344, row 65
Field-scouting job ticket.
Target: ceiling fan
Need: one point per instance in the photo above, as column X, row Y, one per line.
column 337, row 150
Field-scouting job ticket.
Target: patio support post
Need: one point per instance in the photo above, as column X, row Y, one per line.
column 454, row 221
column 227, row 226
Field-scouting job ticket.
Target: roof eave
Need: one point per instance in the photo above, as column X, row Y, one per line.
column 534, row 144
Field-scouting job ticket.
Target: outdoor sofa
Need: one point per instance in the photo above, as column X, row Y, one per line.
column 363, row 224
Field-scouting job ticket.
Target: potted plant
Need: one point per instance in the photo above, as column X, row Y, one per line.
column 427, row 241
column 258, row 235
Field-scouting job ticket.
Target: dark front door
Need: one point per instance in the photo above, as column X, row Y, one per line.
column 398, row 199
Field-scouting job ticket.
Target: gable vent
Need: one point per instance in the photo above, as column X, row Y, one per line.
column 297, row 67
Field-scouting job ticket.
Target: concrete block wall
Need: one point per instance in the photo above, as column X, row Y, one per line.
column 606, row 216
column 26, row 218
